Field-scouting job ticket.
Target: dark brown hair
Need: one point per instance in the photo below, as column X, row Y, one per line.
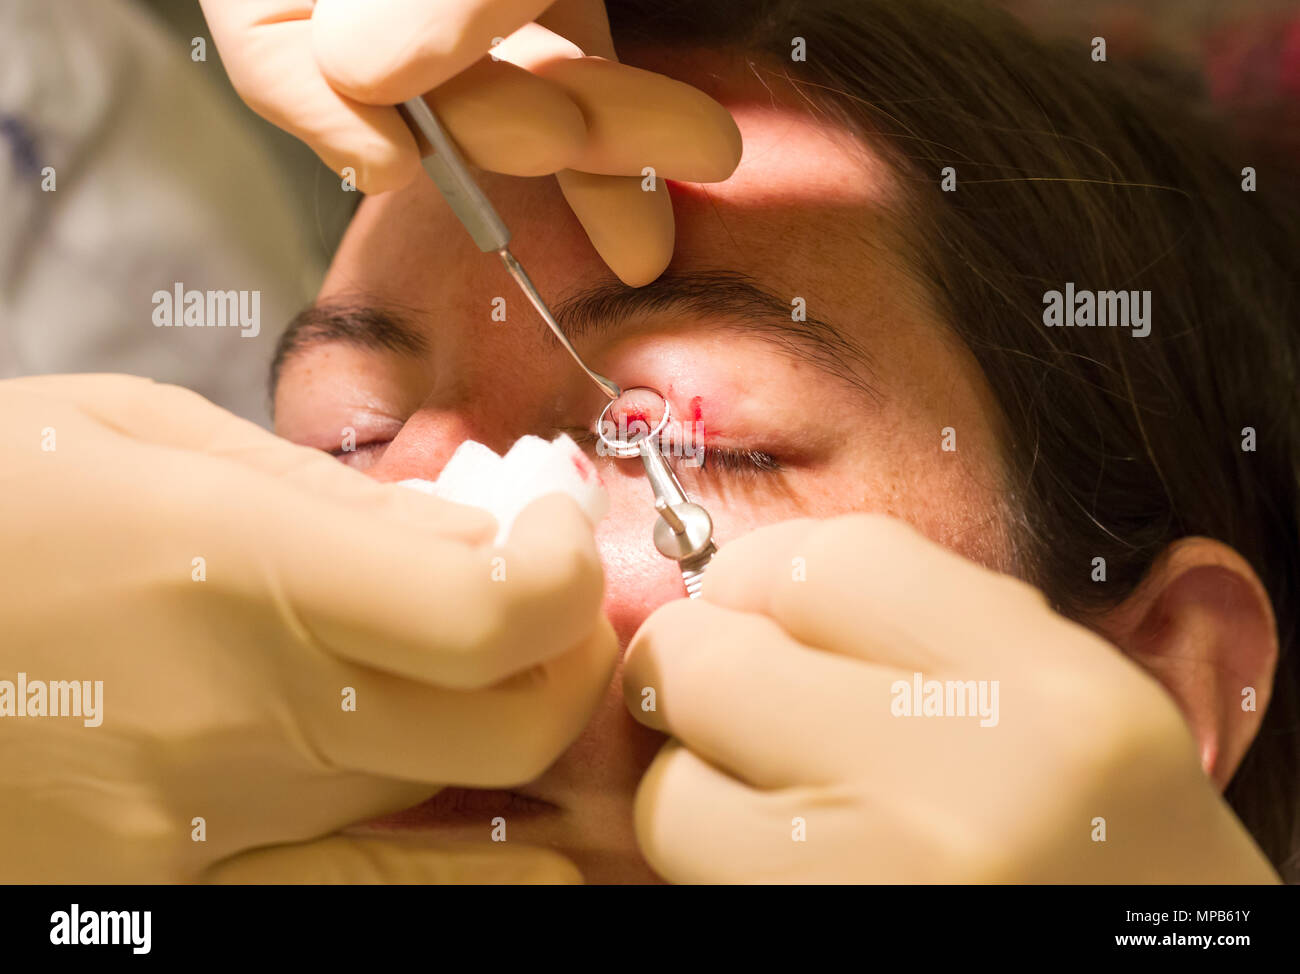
column 1073, row 170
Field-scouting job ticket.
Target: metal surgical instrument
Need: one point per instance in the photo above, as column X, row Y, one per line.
column 684, row 530
column 447, row 169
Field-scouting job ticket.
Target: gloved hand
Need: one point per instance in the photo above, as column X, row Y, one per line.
column 556, row 101
column 789, row 763
column 226, row 681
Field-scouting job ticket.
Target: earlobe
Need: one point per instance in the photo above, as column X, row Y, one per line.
column 1201, row 623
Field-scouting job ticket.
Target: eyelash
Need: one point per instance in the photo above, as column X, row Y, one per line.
column 743, row 462
column 717, row 459
column 340, row 453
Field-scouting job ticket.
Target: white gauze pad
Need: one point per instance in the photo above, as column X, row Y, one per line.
column 505, row 485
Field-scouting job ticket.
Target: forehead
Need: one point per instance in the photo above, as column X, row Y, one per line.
column 806, row 202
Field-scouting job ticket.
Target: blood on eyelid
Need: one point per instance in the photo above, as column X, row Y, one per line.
column 690, row 426
column 638, row 406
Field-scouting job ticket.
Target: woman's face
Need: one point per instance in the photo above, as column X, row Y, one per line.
column 846, row 411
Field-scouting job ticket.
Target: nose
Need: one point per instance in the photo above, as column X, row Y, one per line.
column 481, row 387
column 426, row 442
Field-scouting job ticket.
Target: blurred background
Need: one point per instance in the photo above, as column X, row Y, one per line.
column 163, row 177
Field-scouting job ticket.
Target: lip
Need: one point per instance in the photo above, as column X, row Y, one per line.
column 461, row 806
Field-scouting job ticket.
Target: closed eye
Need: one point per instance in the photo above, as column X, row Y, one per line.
column 361, row 456
column 740, row 462
column 716, row 459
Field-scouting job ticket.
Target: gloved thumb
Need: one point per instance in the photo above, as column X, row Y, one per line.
column 357, row 860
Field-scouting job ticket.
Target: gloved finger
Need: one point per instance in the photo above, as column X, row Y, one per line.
column 505, row 735
column 632, row 229
column 507, row 120
column 637, row 119
column 382, row 52
column 866, row 585
column 377, row 590
column 322, row 475
column 534, row 113
column 147, row 412
column 409, row 603
column 697, row 824
column 266, row 48
column 342, row 859
column 511, row 121
column 584, row 22
column 531, row 45
column 633, row 118
column 744, row 695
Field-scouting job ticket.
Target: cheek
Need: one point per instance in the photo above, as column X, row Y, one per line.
column 637, row 578
column 940, row 500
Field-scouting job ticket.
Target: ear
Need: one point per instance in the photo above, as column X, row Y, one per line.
column 1201, row 623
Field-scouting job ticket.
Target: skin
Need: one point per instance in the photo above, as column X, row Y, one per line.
column 807, row 213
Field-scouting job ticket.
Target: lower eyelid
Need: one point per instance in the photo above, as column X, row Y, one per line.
column 369, row 445
column 363, row 456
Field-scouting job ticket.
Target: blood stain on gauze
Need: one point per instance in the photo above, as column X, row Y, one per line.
column 504, row 485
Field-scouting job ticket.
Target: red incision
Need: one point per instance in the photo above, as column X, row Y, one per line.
column 693, row 432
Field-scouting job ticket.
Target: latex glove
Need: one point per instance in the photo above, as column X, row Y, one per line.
column 557, row 101
column 779, row 694
column 223, row 698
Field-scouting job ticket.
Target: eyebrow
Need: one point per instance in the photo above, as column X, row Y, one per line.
column 365, row 326
column 731, row 300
